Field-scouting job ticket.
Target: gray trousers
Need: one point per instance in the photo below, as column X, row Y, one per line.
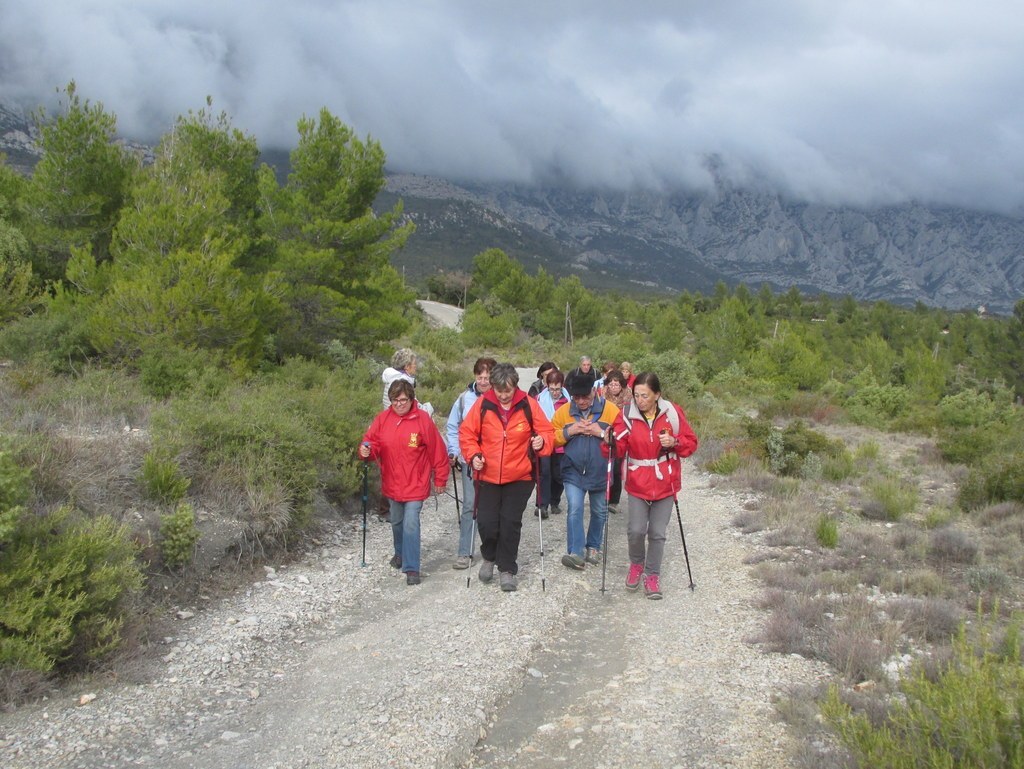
column 648, row 522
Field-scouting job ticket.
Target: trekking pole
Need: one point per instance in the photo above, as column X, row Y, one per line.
column 540, row 518
column 607, row 514
column 685, row 554
column 476, row 503
column 457, row 467
column 366, row 501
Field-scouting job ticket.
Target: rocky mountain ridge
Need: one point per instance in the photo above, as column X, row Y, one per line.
column 939, row 256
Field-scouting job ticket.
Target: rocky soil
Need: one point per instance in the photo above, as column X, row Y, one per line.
column 330, row 663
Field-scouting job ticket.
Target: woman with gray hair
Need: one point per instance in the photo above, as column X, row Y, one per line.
column 403, row 366
column 500, row 435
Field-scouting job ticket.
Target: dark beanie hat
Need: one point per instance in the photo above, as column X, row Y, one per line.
column 579, row 385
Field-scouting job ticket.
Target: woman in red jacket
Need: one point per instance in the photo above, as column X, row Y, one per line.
column 409, row 447
column 497, row 436
column 653, row 435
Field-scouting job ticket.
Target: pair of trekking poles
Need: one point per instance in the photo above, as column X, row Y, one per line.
column 612, row 445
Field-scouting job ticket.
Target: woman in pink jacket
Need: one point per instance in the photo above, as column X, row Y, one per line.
column 653, row 436
column 409, row 447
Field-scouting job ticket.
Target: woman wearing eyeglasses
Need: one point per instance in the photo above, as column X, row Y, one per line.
column 654, row 436
column 410, row 449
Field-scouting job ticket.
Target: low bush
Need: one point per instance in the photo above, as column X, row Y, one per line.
column 167, row 369
column 162, row 479
column 827, row 531
column 839, row 467
column 889, row 500
column 444, row 343
column 970, row 714
column 283, row 436
column 949, row 544
column 1001, row 479
column 726, row 464
column 178, row 536
column 66, row 580
column 868, row 451
column 877, row 404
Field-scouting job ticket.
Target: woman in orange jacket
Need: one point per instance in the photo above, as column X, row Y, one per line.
column 500, row 436
column 409, row 447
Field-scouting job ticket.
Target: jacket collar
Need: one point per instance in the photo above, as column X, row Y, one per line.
column 518, row 398
column 596, row 407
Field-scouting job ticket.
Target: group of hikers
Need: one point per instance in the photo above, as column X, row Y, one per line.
column 582, row 435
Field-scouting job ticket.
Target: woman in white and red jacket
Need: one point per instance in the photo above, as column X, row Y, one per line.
column 653, row 435
column 409, row 447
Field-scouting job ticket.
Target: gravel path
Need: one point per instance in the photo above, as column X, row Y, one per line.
column 327, row 663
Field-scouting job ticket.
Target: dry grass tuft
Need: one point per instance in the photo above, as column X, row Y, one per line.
column 952, row 545
column 794, row 623
column 750, row 521
column 929, row 619
column 859, row 641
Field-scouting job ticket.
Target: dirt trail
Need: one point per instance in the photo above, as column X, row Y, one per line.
column 328, row 663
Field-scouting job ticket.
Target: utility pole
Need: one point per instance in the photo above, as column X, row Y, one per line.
column 568, row 325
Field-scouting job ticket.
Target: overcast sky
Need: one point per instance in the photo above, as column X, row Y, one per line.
column 843, row 101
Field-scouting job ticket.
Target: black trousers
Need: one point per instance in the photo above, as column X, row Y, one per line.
column 499, row 519
column 616, row 492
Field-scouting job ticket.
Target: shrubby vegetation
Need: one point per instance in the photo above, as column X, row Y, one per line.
column 203, row 333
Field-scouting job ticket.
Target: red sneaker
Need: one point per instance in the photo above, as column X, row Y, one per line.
column 652, row 587
column 636, row 570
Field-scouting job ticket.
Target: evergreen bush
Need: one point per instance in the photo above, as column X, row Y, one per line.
column 1000, row 479
column 178, row 536
column 66, row 580
column 877, row 404
column 969, row 715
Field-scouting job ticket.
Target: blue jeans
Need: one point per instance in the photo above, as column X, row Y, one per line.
column 405, row 526
column 574, row 539
column 466, row 518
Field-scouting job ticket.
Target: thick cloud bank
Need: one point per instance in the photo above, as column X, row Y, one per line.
column 846, row 102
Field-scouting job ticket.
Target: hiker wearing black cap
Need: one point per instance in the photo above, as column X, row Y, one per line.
column 583, row 426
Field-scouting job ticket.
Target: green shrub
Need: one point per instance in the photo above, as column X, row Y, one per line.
column 970, row 715
column 56, row 340
column 282, row 436
column 970, row 408
column 827, row 531
column 14, row 484
column 168, row 369
column 890, row 500
column 1000, row 479
column 868, row 451
column 877, row 404
column 162, row 479
column 839, row 467
column 728, row 463
column 65, row 581
column 786, row 451
column 678, row 374
column 178, row 536
column 445, row 343
column 971, row 446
